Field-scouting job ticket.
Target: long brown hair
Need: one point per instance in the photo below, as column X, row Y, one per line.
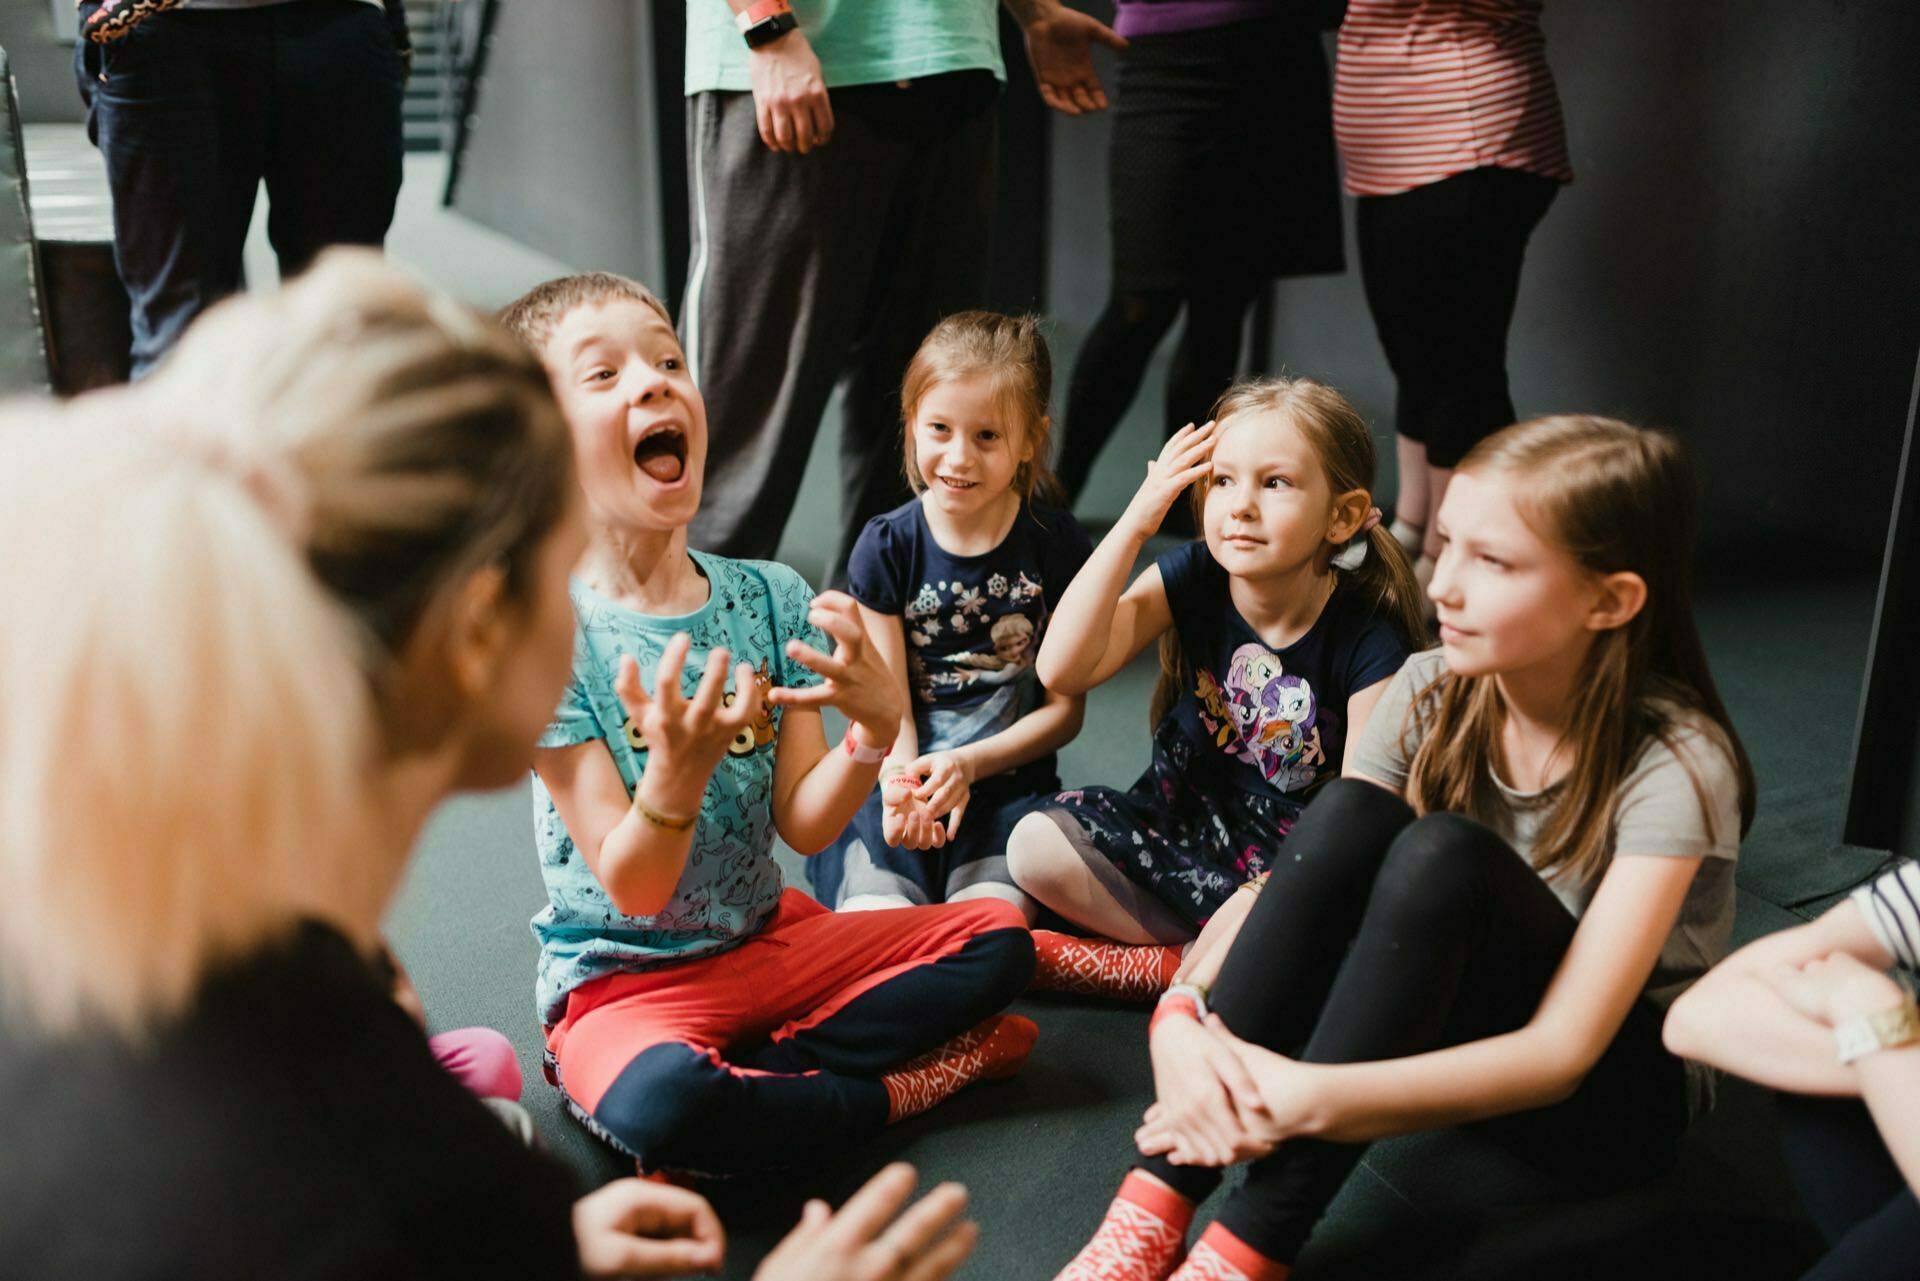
column 1617, row 498
column 1342, row 442
column 1012, row 352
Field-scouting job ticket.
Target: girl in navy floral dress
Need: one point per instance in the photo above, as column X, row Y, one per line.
column 956, row 588
column 1279, row 630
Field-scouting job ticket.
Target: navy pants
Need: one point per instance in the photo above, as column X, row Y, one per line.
column 193, row 110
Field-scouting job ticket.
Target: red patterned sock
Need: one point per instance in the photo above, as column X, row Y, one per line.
column 989, row 1052
column 1094, row 967
column 1140, row 1239
column 1221, row 1256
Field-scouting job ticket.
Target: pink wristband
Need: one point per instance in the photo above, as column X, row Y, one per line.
column 864, row 755
column 1172, row 1003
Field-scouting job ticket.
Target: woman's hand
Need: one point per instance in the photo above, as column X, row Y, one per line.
column 856, row 679
column 1207, row 1104
column 685, row 738
column 907, row 821
column 1060, row 49
column 1183, row 462
column 633, row 1228
column 926, row 1243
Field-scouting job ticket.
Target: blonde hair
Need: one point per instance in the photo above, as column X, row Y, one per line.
column 426, row 441
column 1616, row 498
column 1012, row 352
column 183, row 746
column 534, row 315
column 1342, row 443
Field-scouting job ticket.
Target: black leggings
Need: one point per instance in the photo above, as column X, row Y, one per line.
column 1441, row 269
column 1381, row 935
column 1852, row 1189
column 1114, row 359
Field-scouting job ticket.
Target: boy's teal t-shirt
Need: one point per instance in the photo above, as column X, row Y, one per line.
column 858, row 42
column 731, row 884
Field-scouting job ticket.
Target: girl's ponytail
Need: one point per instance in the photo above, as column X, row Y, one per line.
column 185, row 736
column 1385, row 577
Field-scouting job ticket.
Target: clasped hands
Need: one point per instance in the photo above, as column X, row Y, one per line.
column 1219, row 1100
column 915, row 797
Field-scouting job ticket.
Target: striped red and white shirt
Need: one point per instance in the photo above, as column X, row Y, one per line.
column 1426, row 89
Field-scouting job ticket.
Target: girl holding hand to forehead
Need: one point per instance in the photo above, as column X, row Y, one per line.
column 1484, row 927
column 1278, row 633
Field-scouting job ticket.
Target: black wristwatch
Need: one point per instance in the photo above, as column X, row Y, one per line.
column 763, row 23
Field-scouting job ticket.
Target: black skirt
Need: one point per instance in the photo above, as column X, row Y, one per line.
column 1223, row 165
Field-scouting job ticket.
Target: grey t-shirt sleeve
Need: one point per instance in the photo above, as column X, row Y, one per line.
column 1891, row 904
column 1386, row 747
column 1681, row 799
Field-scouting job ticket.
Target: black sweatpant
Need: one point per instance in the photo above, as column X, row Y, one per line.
column 1441, row 268
column 1851, row 1187
column 1380, row 935
column 809, row 268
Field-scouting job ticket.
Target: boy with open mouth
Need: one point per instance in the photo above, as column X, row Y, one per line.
column 701, row 1017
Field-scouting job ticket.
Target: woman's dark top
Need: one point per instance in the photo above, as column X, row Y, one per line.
column 292, row 1124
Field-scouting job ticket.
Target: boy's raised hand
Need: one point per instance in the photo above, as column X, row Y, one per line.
column 1183, row 462
column 685, row 738
column 856, row 679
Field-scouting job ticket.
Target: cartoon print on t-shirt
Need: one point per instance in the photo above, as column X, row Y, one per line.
column 1264, row 717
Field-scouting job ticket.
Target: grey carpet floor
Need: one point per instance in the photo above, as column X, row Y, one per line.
column 1041, row 1153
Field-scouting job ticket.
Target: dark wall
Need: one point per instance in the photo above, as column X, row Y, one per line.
column 563, row 154
column 1737, row 260
column 42, row 62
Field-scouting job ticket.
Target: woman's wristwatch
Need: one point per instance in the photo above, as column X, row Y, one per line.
column 1882, row 1030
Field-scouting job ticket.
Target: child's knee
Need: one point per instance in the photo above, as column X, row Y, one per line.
column 1435, row 862
column 1036, row 852
column 660, row 1105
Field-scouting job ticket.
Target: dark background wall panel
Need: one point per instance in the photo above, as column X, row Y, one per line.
column 1737, row 260
column 42, row 61
column 565, row 153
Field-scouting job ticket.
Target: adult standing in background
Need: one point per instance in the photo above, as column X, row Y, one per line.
column 841, row 170
column 1450, row 127
column 1221, row 177
column 194, row 106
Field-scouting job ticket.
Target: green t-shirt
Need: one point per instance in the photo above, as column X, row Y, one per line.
column 858, row 42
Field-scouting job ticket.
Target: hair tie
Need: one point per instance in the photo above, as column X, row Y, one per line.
column 1354, row 553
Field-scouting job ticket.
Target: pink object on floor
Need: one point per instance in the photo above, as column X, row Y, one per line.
column 481, row 1059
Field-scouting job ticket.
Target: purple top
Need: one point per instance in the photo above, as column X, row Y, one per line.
column 1166, row 17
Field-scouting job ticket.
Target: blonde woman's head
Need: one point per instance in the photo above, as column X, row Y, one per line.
column 185, row 730
column 437, row 499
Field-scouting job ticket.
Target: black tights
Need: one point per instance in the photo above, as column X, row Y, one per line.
column 1114, row 359
column 1381, row 935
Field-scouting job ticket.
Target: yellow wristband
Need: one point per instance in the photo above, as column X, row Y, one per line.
column 655, row 817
